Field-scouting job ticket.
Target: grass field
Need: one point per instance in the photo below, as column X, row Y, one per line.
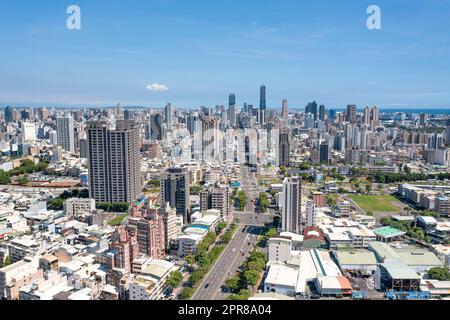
column 376, row 203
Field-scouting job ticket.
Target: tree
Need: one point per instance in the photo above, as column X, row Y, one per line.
column 369, row 213
column 174, row 279
column 251, row 277
column 23, row 180
column 442, row 274
column 203, row 259
column 187, row 293
column 368, row 187
column 4, row 177
column 264, row 201
column 232, row 284
column 195, row 190
column 222, row 225
column 242, row 197
column 190, row 259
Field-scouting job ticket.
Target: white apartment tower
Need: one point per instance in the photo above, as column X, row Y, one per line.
column 291, row 203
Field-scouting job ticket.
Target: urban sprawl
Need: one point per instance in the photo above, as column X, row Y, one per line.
column 234, row 202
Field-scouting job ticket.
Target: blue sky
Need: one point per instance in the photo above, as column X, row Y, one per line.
column 204, row 49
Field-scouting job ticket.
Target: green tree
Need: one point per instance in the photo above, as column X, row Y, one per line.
column 187, row 293
column 190, row 259
column 4, row 177
column 174, row 279
column 23, row 180
column 195, row 190
column 242, row 197
column 232, row 284
column 264, row 201
column 251, row 277
column 442, row 274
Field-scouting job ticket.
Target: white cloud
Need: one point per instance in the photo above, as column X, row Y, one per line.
column 157, row 87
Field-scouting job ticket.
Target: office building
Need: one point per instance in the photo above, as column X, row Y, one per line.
column 262, row 105
column 168, row 112
column 351, row 114
column 65, row 133
column 232, row 109
column 284, row 147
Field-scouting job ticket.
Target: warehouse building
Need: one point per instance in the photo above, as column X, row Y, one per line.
column 357, row 260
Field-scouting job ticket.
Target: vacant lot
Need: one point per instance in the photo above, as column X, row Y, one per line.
column 386, row 203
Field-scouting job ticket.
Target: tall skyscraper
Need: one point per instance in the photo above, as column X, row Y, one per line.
column 351, row 113
column 9, row 114
column 232, row 109
column 210, row 139
column 114, row 161
column 322, row 112
column 175, row 190
column 324, row 153
column 366, row 116
column 154, row 128
column 284, row 147
column 285, row 109
column 312, row 108
column 168, row 112
column 262, row 105
column 65, row 133
column 291, row 202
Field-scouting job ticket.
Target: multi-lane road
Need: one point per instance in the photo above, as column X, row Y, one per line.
column 228, row 263
column 237, row 251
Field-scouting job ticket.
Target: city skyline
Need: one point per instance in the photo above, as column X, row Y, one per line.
column 193, row 54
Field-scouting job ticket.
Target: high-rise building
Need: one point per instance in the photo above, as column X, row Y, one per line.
column 114, row 161
column 28, row 130
column 65, row 133
column 366, row 116
column 149, row 233
column 171, row 228
column 291, row 203
column 311, row 214
column 351, row 114
column 216, row 197
column 175, row 191
column 262, row 105
column 312, row 109
column 43, row 114
column 285, row 109
column 232, row 109
column 284, row 148
column 374, row 118
column 322, row 112
column 324, row 152
column 9, row 114
column 124, row 248
column 168, row 112
column 154, row 129
column 210, row 139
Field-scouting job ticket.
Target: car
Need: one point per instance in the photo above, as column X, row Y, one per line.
column 207, row 286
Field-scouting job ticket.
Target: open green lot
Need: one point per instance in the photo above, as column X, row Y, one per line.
column 376, row 203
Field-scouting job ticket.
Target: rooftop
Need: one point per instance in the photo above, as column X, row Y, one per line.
column 388, row 232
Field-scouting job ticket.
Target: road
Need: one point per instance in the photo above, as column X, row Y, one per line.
column 237, row 251
column 228, row 263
